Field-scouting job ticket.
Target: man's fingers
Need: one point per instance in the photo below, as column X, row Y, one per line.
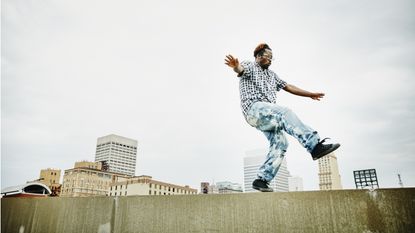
column 230, row 57
column 231, row 61
column 317, row 96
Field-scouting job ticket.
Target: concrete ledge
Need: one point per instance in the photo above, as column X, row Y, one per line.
column 382, row 210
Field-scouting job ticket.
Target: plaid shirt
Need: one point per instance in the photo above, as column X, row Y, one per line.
column 258, row 84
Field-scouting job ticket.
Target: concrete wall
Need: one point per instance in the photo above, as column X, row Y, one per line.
column 383, row 210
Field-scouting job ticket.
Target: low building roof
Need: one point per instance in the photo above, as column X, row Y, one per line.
column 148, row 180
column 32, row 188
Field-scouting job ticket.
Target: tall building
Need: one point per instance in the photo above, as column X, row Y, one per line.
column 295, row 183
column 253, row 162
column 329, row 176
column 51, row 177
column 145, row 185
column 119, row 154
column 85, row 179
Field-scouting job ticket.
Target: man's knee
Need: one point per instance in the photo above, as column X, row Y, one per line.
column 281, row 142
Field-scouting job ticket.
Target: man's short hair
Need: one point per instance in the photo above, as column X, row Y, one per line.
column 260, row 49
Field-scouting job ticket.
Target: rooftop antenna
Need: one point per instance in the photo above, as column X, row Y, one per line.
column 400, row 180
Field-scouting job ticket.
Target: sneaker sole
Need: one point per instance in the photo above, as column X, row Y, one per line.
column 268, row 190
column 335, row 147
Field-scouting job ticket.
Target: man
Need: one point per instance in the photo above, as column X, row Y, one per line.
column 258, row 87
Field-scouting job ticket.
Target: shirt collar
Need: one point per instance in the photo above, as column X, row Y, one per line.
column 257, row 64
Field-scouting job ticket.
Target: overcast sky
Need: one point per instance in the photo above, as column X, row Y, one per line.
column 73, row 71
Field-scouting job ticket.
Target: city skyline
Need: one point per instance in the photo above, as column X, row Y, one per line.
column 250, row 154
column 154, row 72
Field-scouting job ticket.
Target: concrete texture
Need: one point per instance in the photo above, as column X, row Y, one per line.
column 382, row 210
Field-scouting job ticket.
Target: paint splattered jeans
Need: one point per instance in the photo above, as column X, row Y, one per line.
column 272, row 120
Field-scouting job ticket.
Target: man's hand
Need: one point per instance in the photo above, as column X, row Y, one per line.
column 231, row 61
column 316, row 96
column 234, row 64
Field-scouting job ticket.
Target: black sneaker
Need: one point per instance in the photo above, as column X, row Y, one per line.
column 321, row 149
column 261, row 185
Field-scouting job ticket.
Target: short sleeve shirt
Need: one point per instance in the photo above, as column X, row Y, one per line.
column 258, row 84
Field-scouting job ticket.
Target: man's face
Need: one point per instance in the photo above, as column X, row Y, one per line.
column 265, row 59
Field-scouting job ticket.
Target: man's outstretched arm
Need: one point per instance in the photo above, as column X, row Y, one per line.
column 300, row 92
column 234, row 64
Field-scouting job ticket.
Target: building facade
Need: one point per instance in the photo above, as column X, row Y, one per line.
column 329, row 176
column 119, row 154
column 51, row 178
column 145, row 185
column 206, row 188
column 228, row 187
column 88, row 164
column 253, row 162
column 82, row 181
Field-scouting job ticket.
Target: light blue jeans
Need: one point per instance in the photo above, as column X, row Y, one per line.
column 272, row 120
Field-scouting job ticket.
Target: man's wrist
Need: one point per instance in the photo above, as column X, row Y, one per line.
column 238, row 69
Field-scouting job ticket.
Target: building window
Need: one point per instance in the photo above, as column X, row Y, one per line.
column 149, row 192
column 125, row 193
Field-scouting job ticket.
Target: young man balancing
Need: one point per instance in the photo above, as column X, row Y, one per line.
column 258, row 87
